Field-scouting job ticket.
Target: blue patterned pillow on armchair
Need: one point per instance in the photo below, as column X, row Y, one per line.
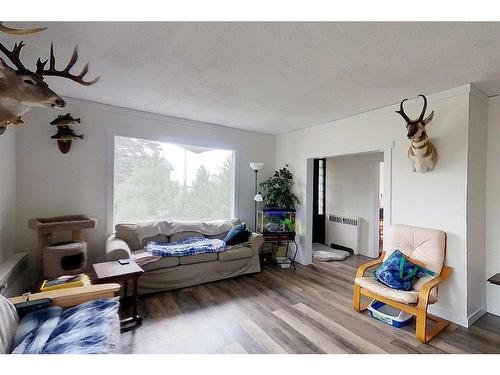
column 398, row 272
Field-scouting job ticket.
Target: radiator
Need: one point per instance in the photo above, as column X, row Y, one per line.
column 344, row 231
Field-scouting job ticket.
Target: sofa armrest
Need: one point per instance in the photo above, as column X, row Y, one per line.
column 116, row 248
column 256, row 241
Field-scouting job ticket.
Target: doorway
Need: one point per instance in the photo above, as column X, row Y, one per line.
column 319, row 182
column 381, row 209
column 370, row 219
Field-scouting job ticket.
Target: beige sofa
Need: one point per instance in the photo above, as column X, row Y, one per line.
column 166, row 273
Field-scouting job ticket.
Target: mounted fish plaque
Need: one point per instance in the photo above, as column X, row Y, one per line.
column 65, row 135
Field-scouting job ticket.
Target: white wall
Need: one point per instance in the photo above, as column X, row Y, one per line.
column 433, row 200
column 7, row 193
column 476, row 180
column 493, row 205
column 352, row 189
column 50, row 183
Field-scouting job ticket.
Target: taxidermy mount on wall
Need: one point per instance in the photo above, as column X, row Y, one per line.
column 422, row 153
column 21, row 88
column 13, row 31
column 65, row 135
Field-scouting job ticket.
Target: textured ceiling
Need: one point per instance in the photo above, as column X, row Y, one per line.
column 269, row 77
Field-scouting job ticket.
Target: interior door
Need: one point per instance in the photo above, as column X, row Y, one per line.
column 319, row 218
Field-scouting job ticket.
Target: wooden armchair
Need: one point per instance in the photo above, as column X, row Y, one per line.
column 424, row 246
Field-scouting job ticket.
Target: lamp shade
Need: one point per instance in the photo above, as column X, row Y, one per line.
column 258, row 197
column 256, row 165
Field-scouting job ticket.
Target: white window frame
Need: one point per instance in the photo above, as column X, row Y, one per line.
column 110, row 167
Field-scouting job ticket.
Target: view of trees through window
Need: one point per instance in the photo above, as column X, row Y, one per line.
column 157, row 180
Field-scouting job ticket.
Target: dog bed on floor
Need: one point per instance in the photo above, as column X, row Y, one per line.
column 329, row 255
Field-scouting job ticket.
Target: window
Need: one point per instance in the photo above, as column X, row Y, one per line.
column 157, row 180
column 321, row 187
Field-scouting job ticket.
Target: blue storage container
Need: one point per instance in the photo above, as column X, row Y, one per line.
column 389, row 314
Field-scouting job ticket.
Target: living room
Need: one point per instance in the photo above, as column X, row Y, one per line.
column 172, row 189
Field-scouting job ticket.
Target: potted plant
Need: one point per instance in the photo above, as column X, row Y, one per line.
column 278, row 214
column 277, row 190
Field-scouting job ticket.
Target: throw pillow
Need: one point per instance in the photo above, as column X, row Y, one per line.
column 238, row 234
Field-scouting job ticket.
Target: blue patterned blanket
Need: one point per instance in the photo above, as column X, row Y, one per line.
column 186, row 246
column 88, row 328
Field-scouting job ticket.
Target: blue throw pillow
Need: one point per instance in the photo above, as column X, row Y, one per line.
column 238, row 234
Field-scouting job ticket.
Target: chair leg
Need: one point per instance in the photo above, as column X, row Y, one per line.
column 421, row 322
column 356, row 299
column 423, row 334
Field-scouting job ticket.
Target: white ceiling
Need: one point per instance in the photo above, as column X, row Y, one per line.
column 269, row 77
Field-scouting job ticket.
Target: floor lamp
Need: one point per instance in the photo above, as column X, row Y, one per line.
column 256, row 166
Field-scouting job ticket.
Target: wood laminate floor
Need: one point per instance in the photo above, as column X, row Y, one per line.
column 285, row 311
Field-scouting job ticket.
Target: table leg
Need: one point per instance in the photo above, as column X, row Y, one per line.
column 125, row 289
column 295, row 254
column 135, row 319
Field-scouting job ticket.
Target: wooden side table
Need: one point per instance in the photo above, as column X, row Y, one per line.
column 114, row 272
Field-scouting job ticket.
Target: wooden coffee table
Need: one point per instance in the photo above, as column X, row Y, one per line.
column 114, row 272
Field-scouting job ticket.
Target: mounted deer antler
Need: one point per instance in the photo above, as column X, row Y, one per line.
column 422, row 153
column 52, row 71
column 21, row 88
column 13, row 55
column 10, row 30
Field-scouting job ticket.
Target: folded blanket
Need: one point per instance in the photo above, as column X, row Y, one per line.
column 186, row 246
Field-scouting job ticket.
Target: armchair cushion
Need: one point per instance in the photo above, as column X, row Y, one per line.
column 423, row 245
column 426, row 246
column 403, row 296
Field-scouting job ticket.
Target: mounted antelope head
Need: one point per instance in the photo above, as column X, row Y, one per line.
column 422, row 153
column 21, row 88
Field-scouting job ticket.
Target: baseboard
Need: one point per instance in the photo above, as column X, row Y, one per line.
column 476, row 315
column 495, row 310
column 448, row 315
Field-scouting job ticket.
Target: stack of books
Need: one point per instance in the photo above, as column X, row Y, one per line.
column 66, row 281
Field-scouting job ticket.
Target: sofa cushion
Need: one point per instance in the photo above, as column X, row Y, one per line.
column 190, row 259
column 213, row 227
column 128, row 233
column 219, row 236
column 236, row 252
column 163, row 262
column 181, row 235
